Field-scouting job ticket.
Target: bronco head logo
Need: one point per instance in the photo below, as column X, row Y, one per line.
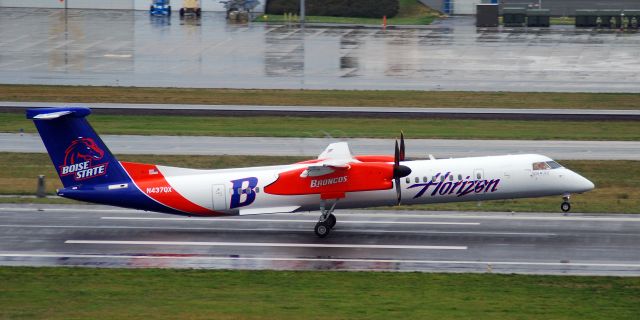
column 81, row 150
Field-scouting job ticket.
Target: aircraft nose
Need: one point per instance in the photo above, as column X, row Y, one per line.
column 582, row 184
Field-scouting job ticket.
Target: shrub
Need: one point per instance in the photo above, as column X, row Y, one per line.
column 336, row 8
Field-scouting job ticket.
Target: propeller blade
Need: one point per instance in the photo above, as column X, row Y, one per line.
column 402, row 153
column 398, row 190
column 396, row 157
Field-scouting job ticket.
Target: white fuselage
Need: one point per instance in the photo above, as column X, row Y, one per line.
column 241, row 191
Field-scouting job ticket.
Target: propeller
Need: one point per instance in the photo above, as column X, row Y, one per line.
column 399, row 171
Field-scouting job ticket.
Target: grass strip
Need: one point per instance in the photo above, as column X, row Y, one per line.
column 347, row 127
column 355, row 98
column 617, row 187
column 89, row 293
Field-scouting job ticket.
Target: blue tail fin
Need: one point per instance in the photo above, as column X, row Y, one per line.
column 79, row 155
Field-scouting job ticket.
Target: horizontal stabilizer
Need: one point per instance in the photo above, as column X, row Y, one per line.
column 55, row 113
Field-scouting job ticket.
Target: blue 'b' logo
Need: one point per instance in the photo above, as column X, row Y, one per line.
column 243, row 192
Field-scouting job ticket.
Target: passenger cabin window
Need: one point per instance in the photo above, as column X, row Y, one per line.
column 442, row 178
column 417, row 179
column 425, row 179
column 451, row 178
column 257, row 189
column 408, row 180
column 459, row 177
column 433, row 179
column 478, row 175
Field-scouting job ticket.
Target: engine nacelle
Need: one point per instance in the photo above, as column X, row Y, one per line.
column 357, row 177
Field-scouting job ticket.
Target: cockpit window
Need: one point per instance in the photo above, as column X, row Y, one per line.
column 554, row 165
column 541, row 166
column 546, row 165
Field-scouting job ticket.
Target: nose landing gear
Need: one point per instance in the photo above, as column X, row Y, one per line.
column 565, row 206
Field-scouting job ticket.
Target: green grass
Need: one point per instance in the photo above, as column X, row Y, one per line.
column 411, row 12
column 563, row 21
column 87, row 293
column 355, row 98
column 347, row 127
column 19, row 171
column 617, row 184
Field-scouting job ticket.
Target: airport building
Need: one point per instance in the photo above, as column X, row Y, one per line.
column 557, row 7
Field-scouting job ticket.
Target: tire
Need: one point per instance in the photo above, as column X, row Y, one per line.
column 322, row 230
column 169, row 11
column 182, row 12
column 198, row 12
column 565, row 207
column 331, row 221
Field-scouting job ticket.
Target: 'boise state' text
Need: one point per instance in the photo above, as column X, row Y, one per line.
column 83, row 170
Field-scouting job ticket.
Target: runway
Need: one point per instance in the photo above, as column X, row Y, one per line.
column 312, row 147
column 101, row 236
column 334, row 111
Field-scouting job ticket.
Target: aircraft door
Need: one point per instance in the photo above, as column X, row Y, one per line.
column 219, row 197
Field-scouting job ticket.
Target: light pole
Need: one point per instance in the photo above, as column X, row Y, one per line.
column 302, row 11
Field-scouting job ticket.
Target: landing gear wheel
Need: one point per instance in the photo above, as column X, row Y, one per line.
column 331, row 221
column 322, row 229
column 565, row 207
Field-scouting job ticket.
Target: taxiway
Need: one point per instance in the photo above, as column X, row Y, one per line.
column 335, row 111
column 311, row 147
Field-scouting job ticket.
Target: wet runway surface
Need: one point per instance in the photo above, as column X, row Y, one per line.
column 98, row 236
column 312, row 147
column 128, row 48
column 334, row 111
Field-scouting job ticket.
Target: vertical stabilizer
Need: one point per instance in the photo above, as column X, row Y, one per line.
column 81, row 158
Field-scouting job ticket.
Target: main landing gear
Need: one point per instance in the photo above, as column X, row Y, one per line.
column 327, row 220
column 565, row 206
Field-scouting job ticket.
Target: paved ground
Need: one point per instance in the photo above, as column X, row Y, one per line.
column 396, row 112
column 440, row 148
column 363, row 240
column 126, row 48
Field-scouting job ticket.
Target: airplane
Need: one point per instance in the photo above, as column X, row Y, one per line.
column 336, row 179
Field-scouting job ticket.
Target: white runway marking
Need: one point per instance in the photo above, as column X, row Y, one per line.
column 264, row 244
column 439, row 262
column 386, row 214
column 362, row 213
column 288, row 220
column 287, row 230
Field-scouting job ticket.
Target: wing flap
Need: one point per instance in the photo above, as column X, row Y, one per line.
column 244, row 212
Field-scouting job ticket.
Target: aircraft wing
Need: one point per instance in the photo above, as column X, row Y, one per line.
column 327, row 167
column 335, row 157
column 336, row 150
